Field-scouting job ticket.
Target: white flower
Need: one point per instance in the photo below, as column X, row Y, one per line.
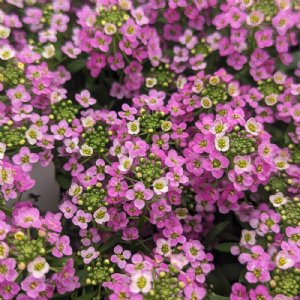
column 206, row 102
column 133, row 127
column 248, row 237
column 86, row 150
column 125, row 163
column 160, row 186
column 163, row 247
column 88, row 122
column 222, row 143
column 218, row 128
column 271, row 99
column 281, row 163
column 75, row 189
column 233, row 89
column 101, row 215
column 33, row 134
column 180, row 82
column 4, row 32
column 38, row 267
column 110, row 28
column 279, row 77
column 141, row 282
column 151, row 82
column 125, row 4
column 284, row 261
column 179, row 261
column 48, row 51
column 278, row 199
column 2, row 150
column 4, row 250
column 6, row 52
column 253, row 127
column 198, row 86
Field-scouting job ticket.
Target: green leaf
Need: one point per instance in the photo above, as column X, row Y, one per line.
column 114, row 240
column 61, row 297
column 214, row 296
column 215, row 232
column 63, row 181
column 83, row 274
column 232, row 271
column 76, row 65
column 225, row 247
column 88, row 296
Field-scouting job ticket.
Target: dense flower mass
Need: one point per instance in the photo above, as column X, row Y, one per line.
column 174, row 130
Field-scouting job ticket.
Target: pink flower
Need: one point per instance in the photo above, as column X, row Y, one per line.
column 101, row 41
column 193, row 250
column 236, row 17
column 89, row 255
column 25, row 158
column 194, row 292
column 33, row 286
column 82, row 219
column 62, row 247
column 139, row 194
column 116, row 62
column 261, row 292
column 9, row 272
column 120, row 256
column 27, row 217
column 84, row 99
column 8, row 290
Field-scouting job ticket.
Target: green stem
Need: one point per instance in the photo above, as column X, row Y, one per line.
column 6, row 209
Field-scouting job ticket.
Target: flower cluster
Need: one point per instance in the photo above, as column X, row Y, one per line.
column 174, row 129
column 35, row 258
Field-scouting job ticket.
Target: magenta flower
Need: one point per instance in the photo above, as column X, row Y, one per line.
column 139, row 194
column 238, row 292
column 62, row 247
column 9, row 273
column 241, row 182
column 130, row 234
column 116, row 62
column 8, row 290
column 4, row 229
column 260, row 291
column 264, row 38
column 216, row 163
column 33, row 286
column 194, row 292
column 66, row 280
